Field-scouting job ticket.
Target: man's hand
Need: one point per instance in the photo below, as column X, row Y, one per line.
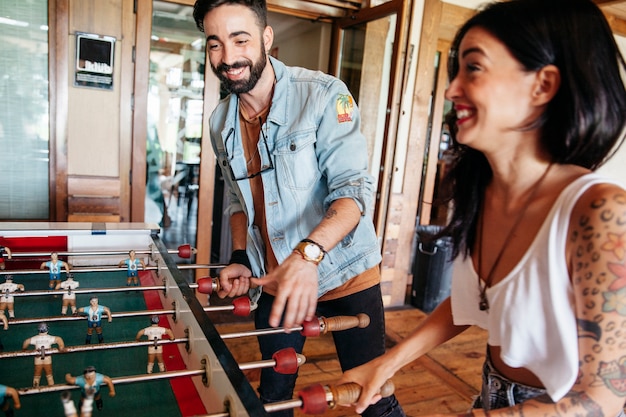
column 234, row 281
column 295, row 282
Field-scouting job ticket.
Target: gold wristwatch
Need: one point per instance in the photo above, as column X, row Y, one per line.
column 310, row 251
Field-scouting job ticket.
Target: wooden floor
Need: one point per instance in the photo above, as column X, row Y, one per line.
column 443, row 381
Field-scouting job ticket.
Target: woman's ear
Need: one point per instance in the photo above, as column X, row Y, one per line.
column 547, row 84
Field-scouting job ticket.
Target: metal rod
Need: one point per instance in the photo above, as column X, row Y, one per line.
column 116, row 381
column 260, row 332
column 84, row 253
column 86, row 291
column 109, row 269
column 93, row 290
column 268, row 363
column 283, row 405
column 114, row 315
column 99, row 346
column 270, row 408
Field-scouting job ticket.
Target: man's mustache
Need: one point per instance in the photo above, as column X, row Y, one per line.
column 225, row 67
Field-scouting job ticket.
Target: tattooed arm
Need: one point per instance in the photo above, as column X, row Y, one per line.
column 597, row 258
column 596, row 254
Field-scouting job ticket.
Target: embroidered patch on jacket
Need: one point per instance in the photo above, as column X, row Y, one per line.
column 345, row 107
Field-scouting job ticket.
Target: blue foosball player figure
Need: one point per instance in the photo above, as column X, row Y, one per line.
column 94, row 313
column 90, row 383
column 132, row 264
column 55, row 265
column 6, row 394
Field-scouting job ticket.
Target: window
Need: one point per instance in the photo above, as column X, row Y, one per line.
column 24, row 109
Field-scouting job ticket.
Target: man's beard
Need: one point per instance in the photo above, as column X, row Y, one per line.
column 241, row 86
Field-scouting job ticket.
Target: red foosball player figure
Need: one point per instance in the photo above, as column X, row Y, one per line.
column 43, row 362
column 55, row 265
column 132, row 264
column 69, row 297
column 6, row 295
column 3, row 250
column 94, row 313
column 7, row 393
column 90, row 383
column 155, row 332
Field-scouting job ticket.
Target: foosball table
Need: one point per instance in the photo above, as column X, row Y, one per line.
column 101, row 315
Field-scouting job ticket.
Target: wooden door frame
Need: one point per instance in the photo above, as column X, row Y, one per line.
column 440, row 21
column 58, row 68
column 140, row 131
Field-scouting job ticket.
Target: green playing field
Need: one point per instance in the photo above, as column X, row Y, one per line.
column 153, row 398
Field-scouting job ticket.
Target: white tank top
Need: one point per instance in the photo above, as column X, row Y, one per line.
column 531, row 311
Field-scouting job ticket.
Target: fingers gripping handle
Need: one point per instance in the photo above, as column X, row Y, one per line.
column 317, row 398
column 208, row 285
column 349, row 393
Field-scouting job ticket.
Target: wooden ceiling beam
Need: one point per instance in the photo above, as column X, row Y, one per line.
column 607, row 2
column 314, row 9
column 618, row 25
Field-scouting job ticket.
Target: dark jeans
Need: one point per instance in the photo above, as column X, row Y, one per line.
column 354, row 346
column 500, row 392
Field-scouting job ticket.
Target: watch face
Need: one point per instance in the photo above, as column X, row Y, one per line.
column 312, row 251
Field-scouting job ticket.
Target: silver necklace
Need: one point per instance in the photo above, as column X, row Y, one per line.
column 483, row 302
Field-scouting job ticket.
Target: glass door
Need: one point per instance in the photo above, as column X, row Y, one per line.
column 368, row 59
column 174, row 122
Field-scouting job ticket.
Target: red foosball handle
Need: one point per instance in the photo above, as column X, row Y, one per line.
column 185, row 251
column 242, row 306
column 287, row 361
column 208, row 285
column 316, row 399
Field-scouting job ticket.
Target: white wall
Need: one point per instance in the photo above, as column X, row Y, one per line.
column 470, row 4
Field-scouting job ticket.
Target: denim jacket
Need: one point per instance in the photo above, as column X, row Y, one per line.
column 319, row 155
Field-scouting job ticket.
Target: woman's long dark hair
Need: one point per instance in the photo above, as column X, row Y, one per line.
column 584, row 122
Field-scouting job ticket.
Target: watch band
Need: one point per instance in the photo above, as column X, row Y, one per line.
column 301, row 249
column 316, row 244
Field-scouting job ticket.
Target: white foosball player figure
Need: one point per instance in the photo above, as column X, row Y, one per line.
column 6, row 295
column 154, row 333
column 69, row 297
column 43, row 362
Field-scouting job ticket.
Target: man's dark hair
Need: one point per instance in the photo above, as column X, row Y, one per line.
column 202, row 7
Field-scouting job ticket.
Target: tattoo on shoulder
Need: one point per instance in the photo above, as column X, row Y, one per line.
column 600, row 237
column 588, row 328
column 612, row 374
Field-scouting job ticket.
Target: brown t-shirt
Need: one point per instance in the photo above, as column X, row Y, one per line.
column 250, row 132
